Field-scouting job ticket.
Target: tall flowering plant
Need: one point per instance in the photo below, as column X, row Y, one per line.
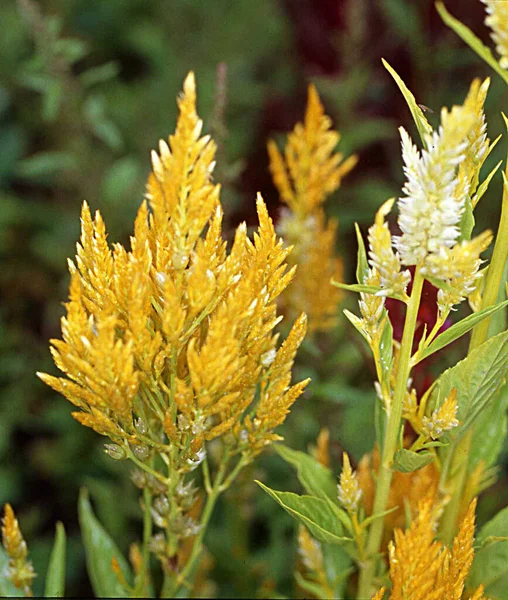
column 166, row 348
column 417, row 472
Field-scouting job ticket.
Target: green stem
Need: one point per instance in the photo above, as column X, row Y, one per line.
column 173, row 585
column 368, row 568
column 142, row 587
column 460, row 459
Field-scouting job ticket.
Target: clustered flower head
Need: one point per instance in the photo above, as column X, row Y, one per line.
column 349, row 491
column 422, row 568
column 308, row 172
column 497, row 20
column 171, row 344
column 19, row 569
column 441, row 181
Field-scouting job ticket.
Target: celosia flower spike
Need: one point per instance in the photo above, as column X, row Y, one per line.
column 431, row 209
column 424, row 569
column 349, row 488
column 382, row 257
column 19, row 569
column 305, row 175
column 442, row 419
column 497, row 20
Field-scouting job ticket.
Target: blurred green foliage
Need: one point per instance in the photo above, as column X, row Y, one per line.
column 87, row 88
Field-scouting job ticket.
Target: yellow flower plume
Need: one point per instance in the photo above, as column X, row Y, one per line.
column 308, row 172
column 422, row 568
column 175, row 337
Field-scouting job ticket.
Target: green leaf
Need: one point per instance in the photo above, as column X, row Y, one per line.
column 407, row 461
column 315, row 478
column 420, row 120
column 43, row 167
column 356, row 322
column 309, row 586
column 55, row 576
column 490, row 565
column 386, row 347
column 471, row 40
column 484, row 185
column 100, row 74
column 362, row 264
column 316, row 514
column 7, row 588
column 458, row 329
column 490, row 431
column 467, row 220
column 356, row 287
column 100, row 550
column 477, row 379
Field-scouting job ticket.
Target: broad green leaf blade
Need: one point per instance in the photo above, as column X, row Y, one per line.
column 338, row 566
column 471, row 40
column 458, row 329
column 100, row 550
column 420, row 120
column 316, row 514
column 490, row 431
column 7, row 588
column 315, row 478
column 362, row 265
column 55, row 576
column 407, row 461
column 490, row 565
column 478, row 379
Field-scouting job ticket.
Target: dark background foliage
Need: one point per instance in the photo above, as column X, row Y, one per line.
column 87, row 87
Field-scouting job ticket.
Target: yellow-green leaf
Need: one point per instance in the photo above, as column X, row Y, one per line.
column 55, row 576
column 420, row 120
column 407, row 461
column 471, row 40
column 316, row 514
column 315, row 478
column 100, row 550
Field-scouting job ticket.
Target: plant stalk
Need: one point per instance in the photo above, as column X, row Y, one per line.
column 368, row 568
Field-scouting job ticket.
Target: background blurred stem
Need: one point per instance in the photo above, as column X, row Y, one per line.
column 367, row 571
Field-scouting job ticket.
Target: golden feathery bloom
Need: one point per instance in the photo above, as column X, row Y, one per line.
column 19, row 569
column 382, row 256
column 497, row 20
column 165, row 345
column 309, row 171
column 349, row 490
column 442, row 419
column 422, row 568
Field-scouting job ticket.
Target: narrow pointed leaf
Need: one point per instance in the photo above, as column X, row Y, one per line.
column 459, row 329
column 314, row 513
column 100, row 550
column 471, row 40
column 55, row 576
column 317, row 479
column 484, row 185
column 420, row 120
column 362, row 265
column 357, row 287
